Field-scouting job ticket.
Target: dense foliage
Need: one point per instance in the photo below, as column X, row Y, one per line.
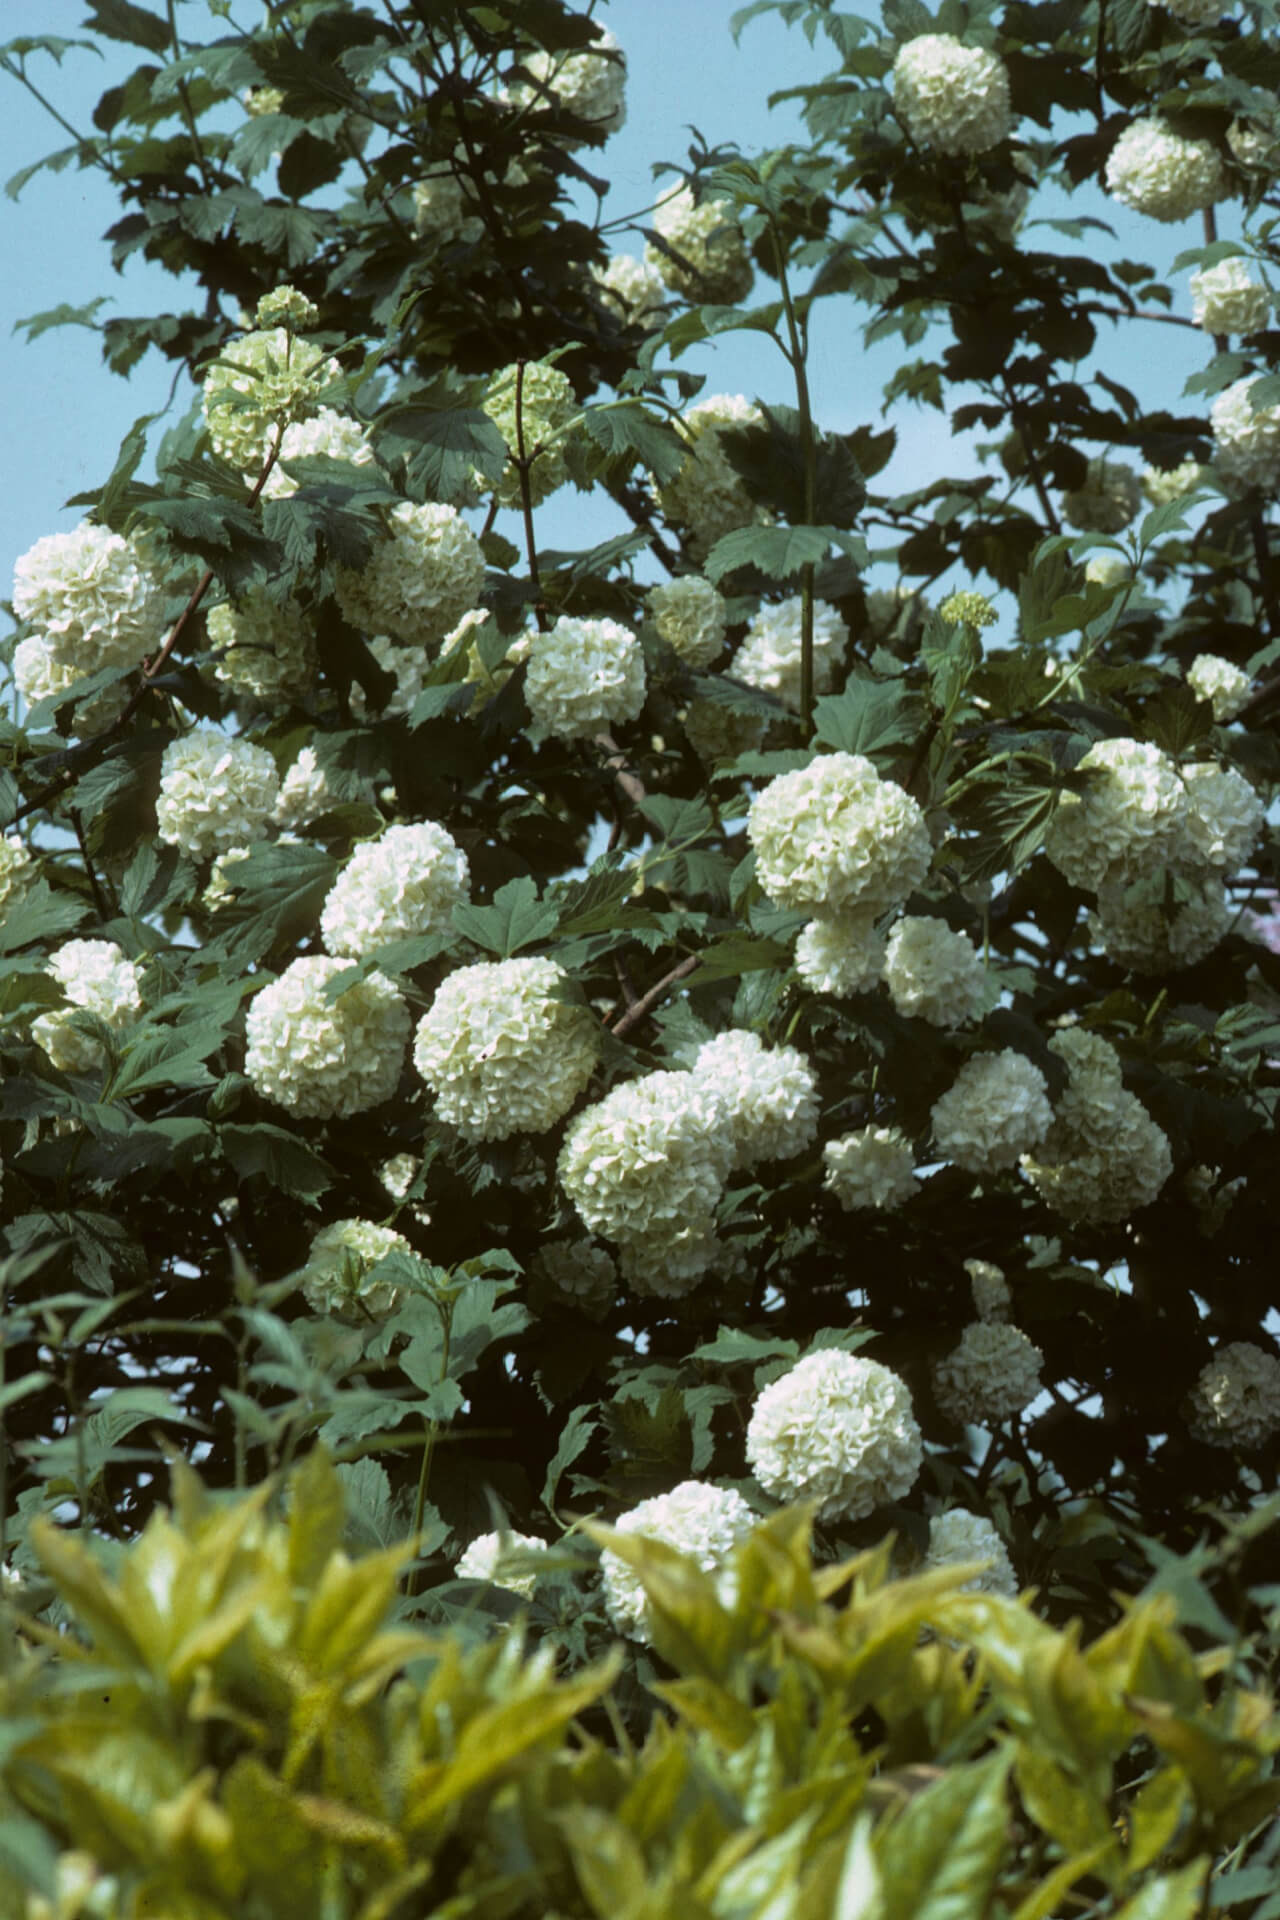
column 780, row 1000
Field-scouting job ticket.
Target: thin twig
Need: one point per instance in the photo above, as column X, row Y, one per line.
column 523, row 462
column 95, row 887
column 631, row 783
column 634, row 1015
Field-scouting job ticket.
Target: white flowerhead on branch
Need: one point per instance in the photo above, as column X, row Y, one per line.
column 769, row 1095
column 873, row 1167
column 996, row 1109
column 216, row 792
column 264, row 649
column 1162, row 484
column 1227, row 299
column 319, row 1057
column 257, row 386
column 285, row 307
column 709, row 262
column 578, row 1274
column 1246, row 439
column 1155, row 171
column 1108, row 500
column 304, row 793
column 834, row 836
column 420, row 578
column 408, row 666
column 94, row 604
column 336, row 1279
column 841, row 953
column 538, row 424
column 1104, row 1157
column 697, row 1519
column 1147, row 936
column 934, row 973
column 1220, row 682
column 95, row 976
column 965, row 607
column 649, row 1161
column 1222, row 818
column 952, row 98
column 991, row 1296
column 837, row 1429
column 330, row 435
column 1254, row 146
column 584, row 676
column 590, row 85
column 406, row 882
column 1129, row 814
column 992, row 1375
column 483, row 1561
column 769, row 657
column 1235, row 1401
column 633, row 290
column 442, row 209
column 501, row 1052
column 1194, row 13
column 706, row 493
column 17, row 870
column 690, row 616
column 958, row 1536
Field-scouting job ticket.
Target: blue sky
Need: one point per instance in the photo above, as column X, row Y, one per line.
column 66, row 413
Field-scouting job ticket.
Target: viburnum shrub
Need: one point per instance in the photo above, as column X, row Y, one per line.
column 777, row 1003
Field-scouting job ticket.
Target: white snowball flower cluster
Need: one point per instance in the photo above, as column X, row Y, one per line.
column 958, row 1536
column 990, row 1376
column 709, row 260
column 952, row 97
column 1254, row 146
column 335, row 1279
column 319, row 1057
column 834, row 836
column 1162, row 484
column 304, row 793
column 409, row 667
column 590, row 85
column 537, row 424
column 872, row 1167
column 837, row 1429
column 769, row 657
column 935, row 973
column 645, row 1167
column 769, row 1095
column 704, row 1522
column 690, row 616
column 97, row 978
column 1154, row 170
column 1104, row 1157
column 1220, row 682
column 501, row 1051
column 584, row 676
column 991, row 1296
column 580, row 1274
column 406, row 882
column 1108, row 500
column 264, row 649
column 259, row 384
column 719, row 733
column 1107, row 570
column 215, row 793
column 1236, row 1398
column 1193, row 13
column 17, row 869
column 94, row 604
column 329, row 436
column 633, row 290
column 1142, row 813
column 443, row 211
column 841, row 953
column 420, row 578
column 1138, row 931
column 1227, row 299
column 706, row 494
column 483, row 1561
column 1246, row 440
column 996, row 1109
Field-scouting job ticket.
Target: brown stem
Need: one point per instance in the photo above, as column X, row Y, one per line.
column 631, row 783
column 95, row 887
column 1033, row 462
column 523, row 462
column 634, row 1015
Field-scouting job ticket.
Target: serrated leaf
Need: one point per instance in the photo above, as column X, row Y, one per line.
column 60, row 316
column 732, row 1347
column 779, row 552
column 39, row 914
column 626, row 428
column 516, row 919
column 281, row 887
column 287, row 1162
column 868, row 717
column 122, row 20
column 574, row 1441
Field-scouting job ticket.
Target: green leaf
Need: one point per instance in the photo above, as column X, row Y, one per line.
column 287, row 1163
column 626, row 428
column 61, row 316
column 39, row 914
column 167, row 1057
column 731, row 1347
column 1044, row 586
column 517, row 918
column 734, row 955
column 1173, row 1896
column 121, row 20
column 280, row 890
column 869, row 717
column 940, row 1857
column 574, row 1441
column 442, row 446
column 779, row 552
